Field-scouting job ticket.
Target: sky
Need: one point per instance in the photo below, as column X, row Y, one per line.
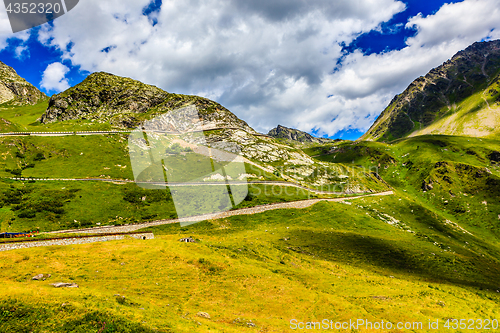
column 325, row 67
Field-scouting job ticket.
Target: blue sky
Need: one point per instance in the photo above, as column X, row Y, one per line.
column 325, row 67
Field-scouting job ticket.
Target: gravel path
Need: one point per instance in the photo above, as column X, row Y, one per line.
column 71, row 241
column 198, row 218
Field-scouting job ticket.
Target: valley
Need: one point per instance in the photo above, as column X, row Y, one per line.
column 402, row 225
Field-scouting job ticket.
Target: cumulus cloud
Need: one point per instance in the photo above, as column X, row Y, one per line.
column 365, row 84
column 54, row 78
column 269, row 62
column 265, row 62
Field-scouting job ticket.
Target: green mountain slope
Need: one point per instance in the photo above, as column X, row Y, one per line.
column 106, row 101
column 457, row 177
column 379, row 258
column 425, row 253
column 460, row 97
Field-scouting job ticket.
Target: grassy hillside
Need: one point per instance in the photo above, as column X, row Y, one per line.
column 49, row 205
column 57, row 205
column 256, row 273
column 475, row 116
column 458, row 177
column 429, row 252
column 26, row 120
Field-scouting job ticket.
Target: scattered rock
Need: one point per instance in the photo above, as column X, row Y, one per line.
column 384, row 298
column 427, row 186
column 39, row 277
column 203, row 315
column 244, row 322
column 441, row 304
column 64, row 285
column 187, row 240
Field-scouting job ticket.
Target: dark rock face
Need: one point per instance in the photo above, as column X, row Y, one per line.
column 16, row 90
column 430, row 97
column 282, row 132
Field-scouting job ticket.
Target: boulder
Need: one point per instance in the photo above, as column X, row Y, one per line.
column 64, row 285
column 41, row 277
column 203, row 315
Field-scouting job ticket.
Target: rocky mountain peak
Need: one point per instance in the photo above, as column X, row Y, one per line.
column 282, row 132
column 124, row 102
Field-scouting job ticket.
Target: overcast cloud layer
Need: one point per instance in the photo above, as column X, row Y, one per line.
column 269, row 62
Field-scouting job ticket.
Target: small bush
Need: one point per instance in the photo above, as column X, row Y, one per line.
column 16, row 172
column 28, row 214
column 39, row 157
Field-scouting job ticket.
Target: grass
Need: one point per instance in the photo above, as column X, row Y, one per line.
column 427, row 252
column 331, row 260
column 463, row 176
column 56, row 205
column 26, row 119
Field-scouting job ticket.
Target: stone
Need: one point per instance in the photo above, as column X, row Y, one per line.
column 64, row 285
column 187, row 240
column 39, row 277
column 203, row 315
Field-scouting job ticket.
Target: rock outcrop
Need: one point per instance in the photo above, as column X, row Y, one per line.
column 282, row 132
column 16, row 90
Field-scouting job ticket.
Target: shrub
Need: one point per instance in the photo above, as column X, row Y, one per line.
column 28, row 214
column 16, row 172
column 39, row 157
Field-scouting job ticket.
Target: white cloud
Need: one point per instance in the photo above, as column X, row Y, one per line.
column 364, row 85
column 269, row 62
column 265, row 62
column 54, row 78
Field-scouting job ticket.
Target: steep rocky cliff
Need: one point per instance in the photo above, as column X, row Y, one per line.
column 16, row 90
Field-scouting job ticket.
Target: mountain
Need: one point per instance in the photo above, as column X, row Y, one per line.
column 460, row 97
column 290, row 134
column 126, row 103
column 15, row 89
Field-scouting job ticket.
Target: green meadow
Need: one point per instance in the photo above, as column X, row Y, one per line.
column 376, row 259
